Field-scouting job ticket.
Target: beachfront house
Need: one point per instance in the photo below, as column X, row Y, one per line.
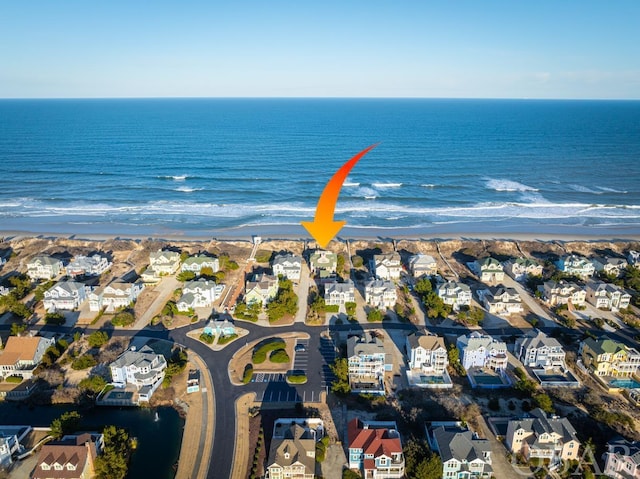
column 501, row 300
column 605, row 357
column 117, row 294
column 380, row 293
column 609, row 265
column 287, row 265
column 22, row 354
column 537, row 435
column 375, row 449
column 142, row 368
column 633, row 257
column 576, row 265
column 367, row 363
column 607, row 296
column 261, row 289
column 339, row 293
column 161, row 263
column 64, row 295
column 386, row 266
column 194, row 264
column 463, row 453
column 422, row 265
column 199, row 294
column 44, row 267
column 426, row 353
column 455, row 294
column 539, row 351
column 521, row 268
column 563, row 292
column 293, row 448
column 93, row 265
column 323, row 264
column 72, row 457
column 482, row 351
column 488, row 269
column 622, row 459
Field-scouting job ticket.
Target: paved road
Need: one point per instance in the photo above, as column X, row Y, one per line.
column 529, row 300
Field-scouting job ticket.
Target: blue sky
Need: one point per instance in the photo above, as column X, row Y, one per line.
column 462, row 49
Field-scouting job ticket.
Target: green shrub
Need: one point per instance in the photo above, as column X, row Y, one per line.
column 263, row 256
column 206, row 338
column 56, row 319
column 374, row 316
column 248, row 373
column 279, row 356
column 226, row 339
column 185, row 276
column 331, row 308
column 83, row 362
column 123, row 318
column 297, row 378
column 260, row 354
column 93, row 383
column 14, row 379
column 350, row 308
column 98, row 339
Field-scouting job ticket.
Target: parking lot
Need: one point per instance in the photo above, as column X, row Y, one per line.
column 328, row 352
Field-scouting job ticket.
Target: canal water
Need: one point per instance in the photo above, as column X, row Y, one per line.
column 159, row 436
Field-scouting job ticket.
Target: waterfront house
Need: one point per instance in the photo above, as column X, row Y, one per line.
column 367, row 363
column 563, row 292
column 380, row 293
column 193, row 381
column 622, row 459
column 93, row 265
column 609, row 265
column 501, row 300
column 22, row 354
column 422, row 265
column 539, row 351
column 576, row 265
column 607, row 296
column 455, row 294
column 323, row 264
column 64, row 295
column 199, row 294
column 117, row 294
column 293, row 448
column 339, row 293
column 287, row 265
column 142, row 368
column 375, row 449
column 261, row 289
column 161, row 263
column 488, row 269
column 426, row 353
column 386, row 266
column 10, row 446
column 44, row 267
column 194, row 264
column 463, row 453
column 605, row 357
column 72, row 457
column 537, row 435
column 520, row 268
column 482, row 351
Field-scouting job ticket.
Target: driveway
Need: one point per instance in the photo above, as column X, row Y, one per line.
column 530, row 301
column 165, row 289
column 303, row 294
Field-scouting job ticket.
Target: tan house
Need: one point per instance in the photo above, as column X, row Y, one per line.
column 422, row 265
column 161, row 263
column 292, row 454
column 605, row 357
column 563, row 292
column 544, row 437
column 520, row 268
column 261, row 289
column 609, row 265
column 73, row 457
column 21, row 355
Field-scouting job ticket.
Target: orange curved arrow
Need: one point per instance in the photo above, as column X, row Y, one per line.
column 323, row 228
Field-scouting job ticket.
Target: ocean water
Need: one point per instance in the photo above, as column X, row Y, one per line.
column 202, row 167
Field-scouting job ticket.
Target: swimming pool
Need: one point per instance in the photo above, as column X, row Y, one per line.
column 625, row 383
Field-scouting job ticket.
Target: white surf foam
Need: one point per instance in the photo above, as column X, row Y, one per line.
column 386, row 185
column 507, row 185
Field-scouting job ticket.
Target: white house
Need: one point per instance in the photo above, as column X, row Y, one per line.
column 194, row 264
column 339, row 293
column 10, row 437
column 287, row 265
column 607, row 296
column 93, row 265
column 488, row 269
column 161, row 263
column 501, row 300
column 386, row 266
column 44, row 267
column 199, row 294
column 367, row 363
column 144, row 369
column 520, row 268
column 537, row 350
column 380, row 293
column 634, row 258
column 563, row 292
column 67, row 295
column 463, row 453
column 576, row 265
column 426, row 353
column 454, row 293
column 422, row 264
column 609, row 265
column 482, row 351
column 117, row 294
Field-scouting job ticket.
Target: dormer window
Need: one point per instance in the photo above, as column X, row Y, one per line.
column 45, row 467
column 71, row 467
column 57, row 467
column 286, row 455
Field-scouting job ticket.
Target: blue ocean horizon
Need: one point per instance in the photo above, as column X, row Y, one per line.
column 215, row 167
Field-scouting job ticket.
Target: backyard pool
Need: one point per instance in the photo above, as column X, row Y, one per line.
column 625, row 383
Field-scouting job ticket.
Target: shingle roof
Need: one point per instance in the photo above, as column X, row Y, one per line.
column 376, row 441
column 460, row 444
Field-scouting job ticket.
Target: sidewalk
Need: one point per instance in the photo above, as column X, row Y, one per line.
column 197, row 437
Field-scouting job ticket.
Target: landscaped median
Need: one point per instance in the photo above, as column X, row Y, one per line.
column 296, row 377
column 217, row 341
